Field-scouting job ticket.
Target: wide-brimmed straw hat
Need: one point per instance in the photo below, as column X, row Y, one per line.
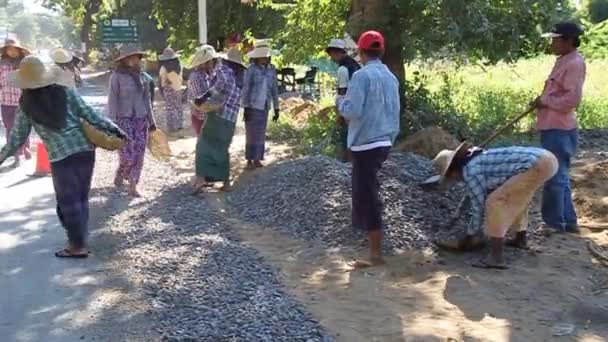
column 261, row 49
column 443, row 162
column 33, row 74
column 234, row 55
column 203, row 55
column 14, row 43
column 61, row 56
column 168, row 54
column 128, row 51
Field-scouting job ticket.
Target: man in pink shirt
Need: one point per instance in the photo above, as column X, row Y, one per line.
column 556, row 122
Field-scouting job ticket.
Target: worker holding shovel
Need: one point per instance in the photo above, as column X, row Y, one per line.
column 500, row 183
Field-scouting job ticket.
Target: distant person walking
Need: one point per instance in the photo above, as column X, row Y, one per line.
column 371, row 108
column 171, row 81
column 556, row 121
column 56, row 112
column 260, row 92
column 347, row 66
column 130, row 105
column 222, row 101
column 65, row 61
column 11, row 55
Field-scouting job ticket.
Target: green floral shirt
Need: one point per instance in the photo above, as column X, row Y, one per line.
column 60, row 144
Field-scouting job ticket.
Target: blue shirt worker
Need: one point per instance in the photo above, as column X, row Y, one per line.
column 371, row 109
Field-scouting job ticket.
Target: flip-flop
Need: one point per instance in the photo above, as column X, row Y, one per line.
column 64, row 253
column 483, row 264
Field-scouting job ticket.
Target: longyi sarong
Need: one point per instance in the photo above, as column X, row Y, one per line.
column 173, row 109
column 255, row 128
column 212, row 160
column 132, row 155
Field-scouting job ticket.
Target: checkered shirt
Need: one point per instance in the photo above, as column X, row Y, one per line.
column 198, row 84
column 60, row 144
column 223, row 85
column 9, row 95
column 491, row 169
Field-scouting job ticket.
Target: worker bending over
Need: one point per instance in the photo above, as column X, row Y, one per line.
column 500, row 183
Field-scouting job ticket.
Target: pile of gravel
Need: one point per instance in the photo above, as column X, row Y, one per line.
column 310, row 199
column 202, row 284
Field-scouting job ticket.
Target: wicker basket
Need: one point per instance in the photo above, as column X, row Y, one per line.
column 159, row 145
column 100, row 138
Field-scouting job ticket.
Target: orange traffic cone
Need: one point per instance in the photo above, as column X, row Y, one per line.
column 43, row 166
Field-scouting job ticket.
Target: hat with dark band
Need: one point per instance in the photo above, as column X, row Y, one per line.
column 564, row 30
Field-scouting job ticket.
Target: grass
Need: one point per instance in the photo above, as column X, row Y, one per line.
column 488, row 96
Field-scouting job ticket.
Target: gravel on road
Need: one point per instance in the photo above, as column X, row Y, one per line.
column 202, row 283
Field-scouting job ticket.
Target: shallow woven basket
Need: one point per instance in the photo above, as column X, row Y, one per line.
column 100, row 138
column 159, row 145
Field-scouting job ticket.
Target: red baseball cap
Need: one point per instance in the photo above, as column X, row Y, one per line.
column 371, row 40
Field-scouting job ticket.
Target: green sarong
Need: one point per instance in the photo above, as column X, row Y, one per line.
column 212, row 149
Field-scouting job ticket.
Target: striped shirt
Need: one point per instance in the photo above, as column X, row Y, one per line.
column 9, row 95
column 60, row 144
column 198, row 84
column 224, row 89
column 491, row 169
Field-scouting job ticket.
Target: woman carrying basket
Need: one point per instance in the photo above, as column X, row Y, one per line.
column 130, row 104
column 56, row 113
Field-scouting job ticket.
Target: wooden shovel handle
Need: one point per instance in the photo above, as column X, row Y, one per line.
column 505, row 127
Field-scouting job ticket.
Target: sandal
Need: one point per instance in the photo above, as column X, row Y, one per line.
column 65, row 253
column 488, row 266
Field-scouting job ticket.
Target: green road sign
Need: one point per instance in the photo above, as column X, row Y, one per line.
column 119, row 31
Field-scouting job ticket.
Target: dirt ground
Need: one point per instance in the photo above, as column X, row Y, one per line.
column 556, row 287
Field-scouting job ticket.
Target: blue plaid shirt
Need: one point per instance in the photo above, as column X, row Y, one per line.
column 491, row 169
column 260, row 88
column 223, row 88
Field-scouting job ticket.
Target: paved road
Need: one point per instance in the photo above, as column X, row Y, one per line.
column 43, row 298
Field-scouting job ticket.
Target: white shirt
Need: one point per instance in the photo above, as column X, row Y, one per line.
column 343, row 77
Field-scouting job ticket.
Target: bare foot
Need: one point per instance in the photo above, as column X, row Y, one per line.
column 258, row 164
column 134, row 192
column 226, row 188
column 249, row 166
column 119, row 182
column 360, row 264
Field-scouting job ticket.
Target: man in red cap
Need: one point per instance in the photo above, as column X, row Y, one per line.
column 371, row 108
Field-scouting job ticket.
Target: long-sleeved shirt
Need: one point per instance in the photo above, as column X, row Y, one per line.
column 563, row 92
column 198, row 84
column 60, row 144
column 127, row 100
column 9, row 94
column 371, row 107
column 491, row 169
column 224, row 89
column 260, row 88
column 170, row 79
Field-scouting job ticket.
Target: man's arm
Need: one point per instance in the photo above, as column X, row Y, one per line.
column 477, row 194
column 19, row 134
column 113, row 97
column 247, row 88
column 342, row 79
column 573, row 82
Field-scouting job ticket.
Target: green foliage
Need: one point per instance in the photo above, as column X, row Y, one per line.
column 595, row 41
column 180, row 18
column 598, row 10
column 310, row 26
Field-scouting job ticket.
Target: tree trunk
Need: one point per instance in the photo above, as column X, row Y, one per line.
column 91, row 8
column 378, row 15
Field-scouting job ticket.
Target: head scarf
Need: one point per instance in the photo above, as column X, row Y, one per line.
column 172, row 65
column 134, row 72
column 47, row 106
